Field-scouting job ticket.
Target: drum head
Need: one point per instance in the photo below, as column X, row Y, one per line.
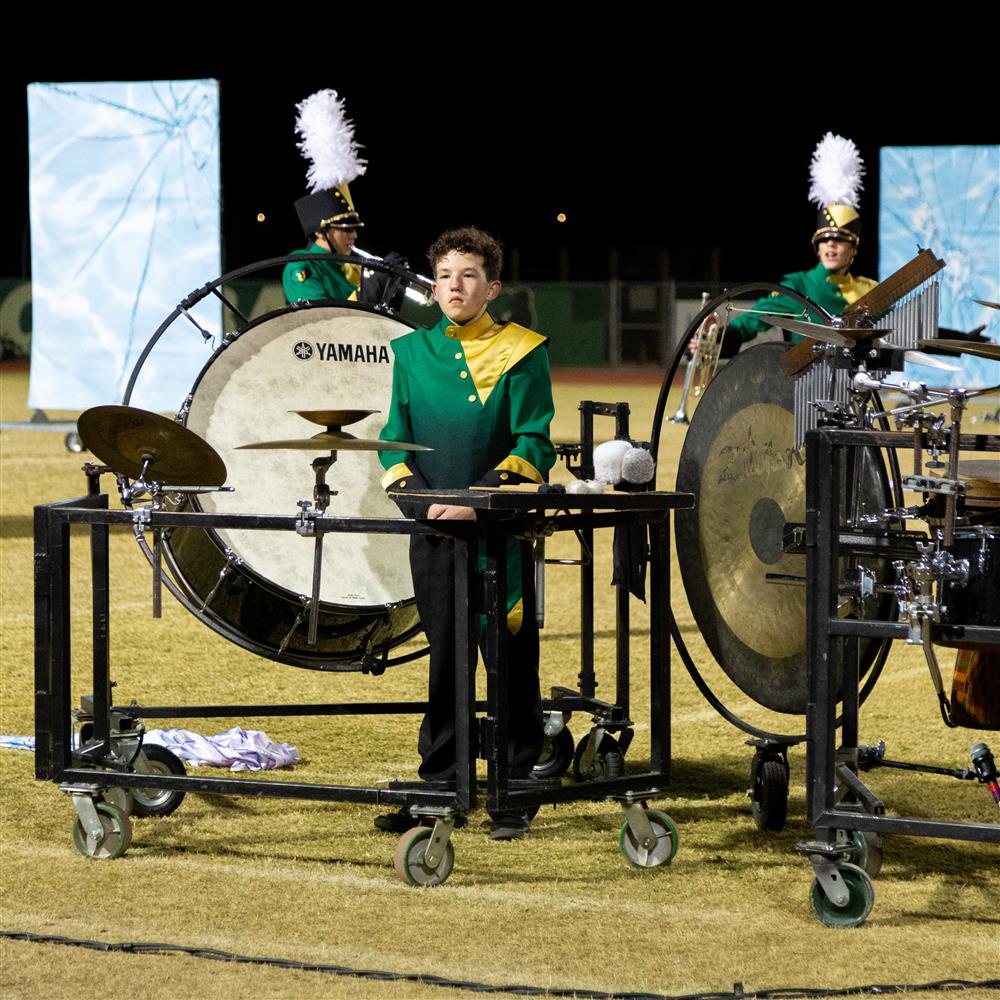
column 748, row 480
column 321, row 358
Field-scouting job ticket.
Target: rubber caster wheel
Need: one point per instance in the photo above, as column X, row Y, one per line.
column 116, row 839
column 768, row 793
column 608, row 762
column 556, row 755
column 409, row 859
column 158, row 801
column 667, row 842
column 866, row 852
column 120, row 798
column 859, row 904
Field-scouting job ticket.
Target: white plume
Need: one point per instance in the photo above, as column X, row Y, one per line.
column 835, row 172
column 327, row 141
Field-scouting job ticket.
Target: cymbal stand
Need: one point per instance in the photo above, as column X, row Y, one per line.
column 307, row 526
column 957, row 399
column 142, row 516
column 921, row 582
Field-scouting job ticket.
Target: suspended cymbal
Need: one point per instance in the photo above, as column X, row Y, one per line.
column 928, row 361
column 334, row 418
column 842, row 336
column 991, row 351
column 817, row 331
column 122, row 436
column 333, row 441
column 749, row 481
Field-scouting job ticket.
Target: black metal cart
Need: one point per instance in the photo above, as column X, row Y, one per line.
column 848, row 817
column 108, row 773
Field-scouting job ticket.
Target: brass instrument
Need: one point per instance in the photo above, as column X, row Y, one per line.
column 422, row 295
column 704, row 360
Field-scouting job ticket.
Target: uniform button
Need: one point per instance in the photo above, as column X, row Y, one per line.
column 472, row 399
column 463, row 374
column 402, row 484
column 458, row 357
column 503, row 475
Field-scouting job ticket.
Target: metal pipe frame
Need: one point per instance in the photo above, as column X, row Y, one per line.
column 54, row 757
column 475, row 593
column 826, row 639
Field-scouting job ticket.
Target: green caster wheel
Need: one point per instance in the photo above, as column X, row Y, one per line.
column 866, row 852
column 667, row 841
column 116, row 839
column 859, row 904
column 120, row 798
column 409, row 859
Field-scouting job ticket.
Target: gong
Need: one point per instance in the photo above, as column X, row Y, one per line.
column 749, row 482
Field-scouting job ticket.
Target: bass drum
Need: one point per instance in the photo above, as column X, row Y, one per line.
column 253, row 586
column 749, row 480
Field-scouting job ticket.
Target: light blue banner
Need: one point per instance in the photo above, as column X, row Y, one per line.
column 125, row 221
column 947, row 199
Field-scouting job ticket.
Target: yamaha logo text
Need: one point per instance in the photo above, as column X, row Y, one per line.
column 370, row 354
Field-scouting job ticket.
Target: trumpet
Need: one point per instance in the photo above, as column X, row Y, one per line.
column 422, row 294
column 704, row 360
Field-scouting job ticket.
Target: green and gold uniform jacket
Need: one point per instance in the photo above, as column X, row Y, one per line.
column 834, row 292
column 480, row 395
column 314, row 280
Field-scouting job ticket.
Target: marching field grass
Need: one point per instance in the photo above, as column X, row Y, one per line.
column 315, row 883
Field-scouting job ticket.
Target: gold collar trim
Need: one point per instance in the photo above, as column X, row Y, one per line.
column 474, row 330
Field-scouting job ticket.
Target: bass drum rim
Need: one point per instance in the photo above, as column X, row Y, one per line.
column 720, row 638
column 209, row 560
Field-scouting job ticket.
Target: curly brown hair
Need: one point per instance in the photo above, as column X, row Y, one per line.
column 472, row 241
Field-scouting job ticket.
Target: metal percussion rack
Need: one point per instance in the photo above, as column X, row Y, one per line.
column 847, row 816
column 92, row 773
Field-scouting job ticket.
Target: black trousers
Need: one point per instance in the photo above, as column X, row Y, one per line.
column 432, row 562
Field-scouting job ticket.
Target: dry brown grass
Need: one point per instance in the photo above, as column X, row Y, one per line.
column 305, row 881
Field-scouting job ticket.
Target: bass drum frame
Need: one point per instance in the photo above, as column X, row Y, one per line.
column 241, row 604
column 877, row 663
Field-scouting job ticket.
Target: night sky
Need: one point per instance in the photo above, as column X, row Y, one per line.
column 678, row 150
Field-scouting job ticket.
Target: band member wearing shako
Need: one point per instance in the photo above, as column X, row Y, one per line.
column 330, row 223
column 329, row 220
column 478, row 392
column 835, row 174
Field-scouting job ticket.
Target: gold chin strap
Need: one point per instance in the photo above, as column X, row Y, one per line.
column 338, row 221
column 835, row 234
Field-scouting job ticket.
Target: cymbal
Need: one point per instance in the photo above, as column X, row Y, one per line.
column 739, row 461
column 928, row 360
column 986, row 302
column 123, row 436
column 332, row 441
column 978, row 350
column 841, row 336
column 815, row 330
column 334, row 418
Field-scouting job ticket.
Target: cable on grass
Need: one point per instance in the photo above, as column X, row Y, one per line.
column 737, row 992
